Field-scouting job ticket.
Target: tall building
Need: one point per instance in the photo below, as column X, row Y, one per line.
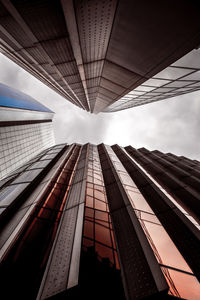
column 101, row 222
column 105, row 55
column 25, row 129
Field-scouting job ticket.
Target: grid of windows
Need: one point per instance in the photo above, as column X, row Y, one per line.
column 175, row 269
column 20, row 143
column 182, row 77
column 44, row 204
column 98, row 230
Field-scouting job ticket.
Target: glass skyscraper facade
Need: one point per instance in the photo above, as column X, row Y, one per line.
column 105, row 55
column 25, row 129
column 87, row 221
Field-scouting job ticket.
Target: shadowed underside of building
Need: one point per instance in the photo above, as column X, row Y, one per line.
column 101, row 222
column 101, row 53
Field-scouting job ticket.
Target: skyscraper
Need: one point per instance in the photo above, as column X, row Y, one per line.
column 25, row 129
column 101, row 55
column 101, row 222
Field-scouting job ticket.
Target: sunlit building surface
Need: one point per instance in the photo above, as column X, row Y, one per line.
column 25, row 129
column 105, row 55
column 101, row 222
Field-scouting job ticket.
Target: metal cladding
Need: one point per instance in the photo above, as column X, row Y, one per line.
column 96, row 53
column 97, row 222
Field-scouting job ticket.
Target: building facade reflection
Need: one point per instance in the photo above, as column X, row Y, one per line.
column 100, row 222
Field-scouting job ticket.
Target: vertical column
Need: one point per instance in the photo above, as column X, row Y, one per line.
column 142, row 276
column 99, row 269
column 62, row 269
column 185, row 196
column 183, row 233
column 175, row 171
column 28, row 237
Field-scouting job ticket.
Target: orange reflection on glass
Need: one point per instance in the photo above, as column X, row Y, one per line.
column 88, row 229
column 100, row 205
column 90, row 192
column 89, row 212
column 99, row 195
column 105, row 224
column 104, row 252
column 87, row 243
column 168, row 252
column 113, row 239
column 89, row 201
column 101, row 215
column 116, row 260
column 90, row 185
column 102, row 235
column 187, row 286
column 99, row 187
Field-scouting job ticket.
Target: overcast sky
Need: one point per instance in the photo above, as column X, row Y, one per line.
column 171, row 125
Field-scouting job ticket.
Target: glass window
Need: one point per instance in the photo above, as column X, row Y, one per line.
column 104, row 252
column 100, row 205
column 187, row 286
column 102, row 235
column 89, row 212
column 89, row 192
column 167, row 251
column 88, row 229
column 89, row 201
column 101, row 215
column 172, row 73
column 99, row 195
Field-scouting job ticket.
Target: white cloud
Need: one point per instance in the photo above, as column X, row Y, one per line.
column 171, row 125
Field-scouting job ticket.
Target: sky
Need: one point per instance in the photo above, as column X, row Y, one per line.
column 171, row 125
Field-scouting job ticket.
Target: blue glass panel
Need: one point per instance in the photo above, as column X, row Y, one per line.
column 13, row 98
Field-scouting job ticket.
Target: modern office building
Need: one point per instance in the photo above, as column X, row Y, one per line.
column 25, row 129
column 105, row 55
column 101, row 222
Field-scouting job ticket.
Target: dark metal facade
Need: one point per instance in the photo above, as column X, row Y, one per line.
column 95, row 52
column 94, row 222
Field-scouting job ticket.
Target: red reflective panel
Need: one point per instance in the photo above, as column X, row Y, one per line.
column 106, row 224
column 168, row 252
column 89, row 201
column 100, row 205
column 88, row 229
column 90, row 192
column 102, row 235
column 149, row 217
column 101, row 215
column 116, row 260
column 104, row 252
column 187, row 286
column 99, row 187
column 90, row 185
column 99, row 195
column 87, row 243
column 113, row 239
column 89, row 212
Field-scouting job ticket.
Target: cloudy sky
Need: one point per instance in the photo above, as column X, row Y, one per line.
column 170, row 126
